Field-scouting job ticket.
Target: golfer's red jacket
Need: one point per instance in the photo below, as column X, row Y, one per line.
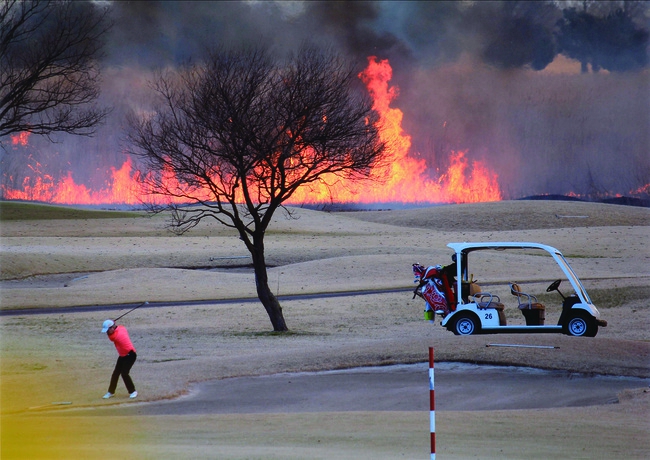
column 120, row 337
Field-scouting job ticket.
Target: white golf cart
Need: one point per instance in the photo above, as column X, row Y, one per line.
column 482, row 309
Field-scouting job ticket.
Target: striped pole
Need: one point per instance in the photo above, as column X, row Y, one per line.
column 432, row 406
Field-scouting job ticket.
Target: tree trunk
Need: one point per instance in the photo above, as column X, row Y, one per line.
column 270, row 302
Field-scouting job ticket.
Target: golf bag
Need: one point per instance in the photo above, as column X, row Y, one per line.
column 434, row 287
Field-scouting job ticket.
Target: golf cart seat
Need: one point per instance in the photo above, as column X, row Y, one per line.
column 532, row 310
column 487, row 300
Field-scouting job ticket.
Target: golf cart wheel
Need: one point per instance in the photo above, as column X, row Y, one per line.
column 581, row 324
column 466, row 324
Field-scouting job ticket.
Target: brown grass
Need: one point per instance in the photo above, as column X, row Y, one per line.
column 64, row 358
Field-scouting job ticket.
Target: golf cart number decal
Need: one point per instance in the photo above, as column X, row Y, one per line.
column 488, row 316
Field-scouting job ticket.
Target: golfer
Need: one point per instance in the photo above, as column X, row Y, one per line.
column 126, row 351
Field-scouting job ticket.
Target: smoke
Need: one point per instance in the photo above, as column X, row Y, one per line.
column 488, row 78
column 541, row 132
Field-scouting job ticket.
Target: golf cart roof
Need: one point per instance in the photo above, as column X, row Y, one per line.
column 468, row 247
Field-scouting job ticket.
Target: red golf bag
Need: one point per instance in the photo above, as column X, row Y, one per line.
column 434, row 287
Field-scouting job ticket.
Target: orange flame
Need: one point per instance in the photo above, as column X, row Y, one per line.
column 20, row 139
column 402, row 179
column 643, row 190
column 405, row 178
column 122, row 189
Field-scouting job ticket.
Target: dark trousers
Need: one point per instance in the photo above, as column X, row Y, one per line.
column 123, row 367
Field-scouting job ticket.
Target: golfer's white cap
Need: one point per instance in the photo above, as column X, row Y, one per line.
column 108, row 323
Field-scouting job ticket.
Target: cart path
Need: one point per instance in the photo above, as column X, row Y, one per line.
column 189, row 303
column 458, row 386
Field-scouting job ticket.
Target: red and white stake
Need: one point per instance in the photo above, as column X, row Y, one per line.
column 432, row 406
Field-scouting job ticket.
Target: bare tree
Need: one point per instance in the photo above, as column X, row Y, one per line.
column 49, row 74
column 243, row 131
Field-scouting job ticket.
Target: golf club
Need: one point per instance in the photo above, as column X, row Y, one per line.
column 143, row 303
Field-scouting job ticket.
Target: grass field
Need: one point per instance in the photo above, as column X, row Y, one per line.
column 18, row 211
column 61, row 358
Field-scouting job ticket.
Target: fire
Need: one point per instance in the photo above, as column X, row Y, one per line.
column 403, row 178
column 20, row 138
column 643, row 190
column 122, row 189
